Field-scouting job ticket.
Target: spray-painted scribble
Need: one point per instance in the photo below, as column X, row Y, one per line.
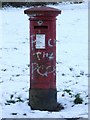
column 32, row 41
column 40, row 55
column 37, row 55
column 42, row 70
column 42, row 64
column 49, row 43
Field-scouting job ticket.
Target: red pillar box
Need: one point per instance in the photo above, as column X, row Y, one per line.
column 43, row 92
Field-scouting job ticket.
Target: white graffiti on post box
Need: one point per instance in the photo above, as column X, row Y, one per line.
column 42, row 70
column 39, row 56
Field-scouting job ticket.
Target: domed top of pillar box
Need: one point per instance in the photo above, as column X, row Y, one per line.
column 42, row 11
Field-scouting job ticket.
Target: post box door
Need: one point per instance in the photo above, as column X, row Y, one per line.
column 42, row 57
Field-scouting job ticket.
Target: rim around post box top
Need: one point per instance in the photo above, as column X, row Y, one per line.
column 46, row 11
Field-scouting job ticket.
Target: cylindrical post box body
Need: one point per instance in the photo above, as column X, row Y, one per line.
column 43, row 93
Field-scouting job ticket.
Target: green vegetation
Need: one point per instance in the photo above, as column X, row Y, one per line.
column 28, row 4
column 68, row 91
column 78, row 99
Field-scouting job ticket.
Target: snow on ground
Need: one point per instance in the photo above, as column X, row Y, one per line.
column 72, row 63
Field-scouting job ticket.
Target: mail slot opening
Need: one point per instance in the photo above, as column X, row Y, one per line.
column 40, row 27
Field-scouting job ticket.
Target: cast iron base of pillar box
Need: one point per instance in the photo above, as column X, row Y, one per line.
column 44, row 99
